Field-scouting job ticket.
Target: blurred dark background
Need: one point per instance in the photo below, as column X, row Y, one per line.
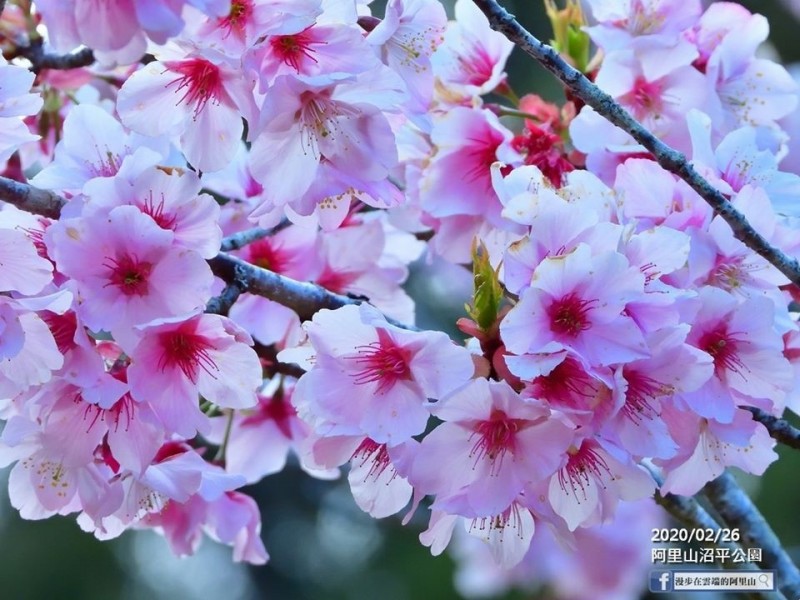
column 321, row 545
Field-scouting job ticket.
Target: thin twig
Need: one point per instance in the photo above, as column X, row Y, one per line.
column 302, row 297
column 669, row 158
column 780, row 429
column 248, row 236
column 739, row 512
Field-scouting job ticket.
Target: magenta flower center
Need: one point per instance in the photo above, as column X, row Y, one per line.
column 237, row 18
column 476, row 65
column 642, row 391
column 495, row 437
column 129, row 274
column 644, row 98
column 201, row 79
column 264, row 254
column 370, row 450
column 188, row 352
column 278, row 410
column 381, row 362
column 570, row 315
column 156, row 211
column 567, row 385
column 723, row 348
column 583, row 465
column 292, row 49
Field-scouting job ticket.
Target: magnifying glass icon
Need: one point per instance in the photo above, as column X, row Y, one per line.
column 763, row 579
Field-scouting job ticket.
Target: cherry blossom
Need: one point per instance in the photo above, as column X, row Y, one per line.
column 376, row 376
column 206, row 354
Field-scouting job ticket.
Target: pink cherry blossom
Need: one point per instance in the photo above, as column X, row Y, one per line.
column 650, row 30
column 507, row 535
column 408, row 35
column 471, row 60
column 94, row 145
column 378, row 487
column 575, row 303
column 708, row 447
column 376, row 377
column 491, row 445
column 194, row 100
column 747, row 352
column 468, row 142
column 595, row 478
column 333, row 118
column 173, row 200
column 206, row 354
column 126, row 269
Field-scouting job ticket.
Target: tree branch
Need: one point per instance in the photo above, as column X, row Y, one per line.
column 738, row 511
column 31, row 199
column 302, row 297
column 780, row 429
column 667, row 157
column 248, row 236
column 221, row 304
column 40, row 59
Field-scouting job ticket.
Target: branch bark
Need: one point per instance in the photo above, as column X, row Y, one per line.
column 779, row 429
column 302, row 297
column 738, row 511
column 40, row 59
column 669, row 158
column 31, row 199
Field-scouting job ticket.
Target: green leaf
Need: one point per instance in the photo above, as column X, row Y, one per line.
column 488, row 294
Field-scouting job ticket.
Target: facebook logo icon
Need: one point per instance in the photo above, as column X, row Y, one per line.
column 660, row 581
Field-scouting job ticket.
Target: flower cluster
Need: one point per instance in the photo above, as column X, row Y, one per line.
column 619, row 330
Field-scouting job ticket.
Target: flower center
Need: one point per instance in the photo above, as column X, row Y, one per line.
column 381, row 362
column 644, row 98
column 495, row 437
column 476, row 65
column 201, row 79
column 583, row 464
column 156, row 212
column 237, row 18
column 723, row 348
column 568, row 385
column 642, row 391
column 129, row 274
column 187, row 351
column 294, row 49
column 570, row 315
column 263, row 254
column 370, row 450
